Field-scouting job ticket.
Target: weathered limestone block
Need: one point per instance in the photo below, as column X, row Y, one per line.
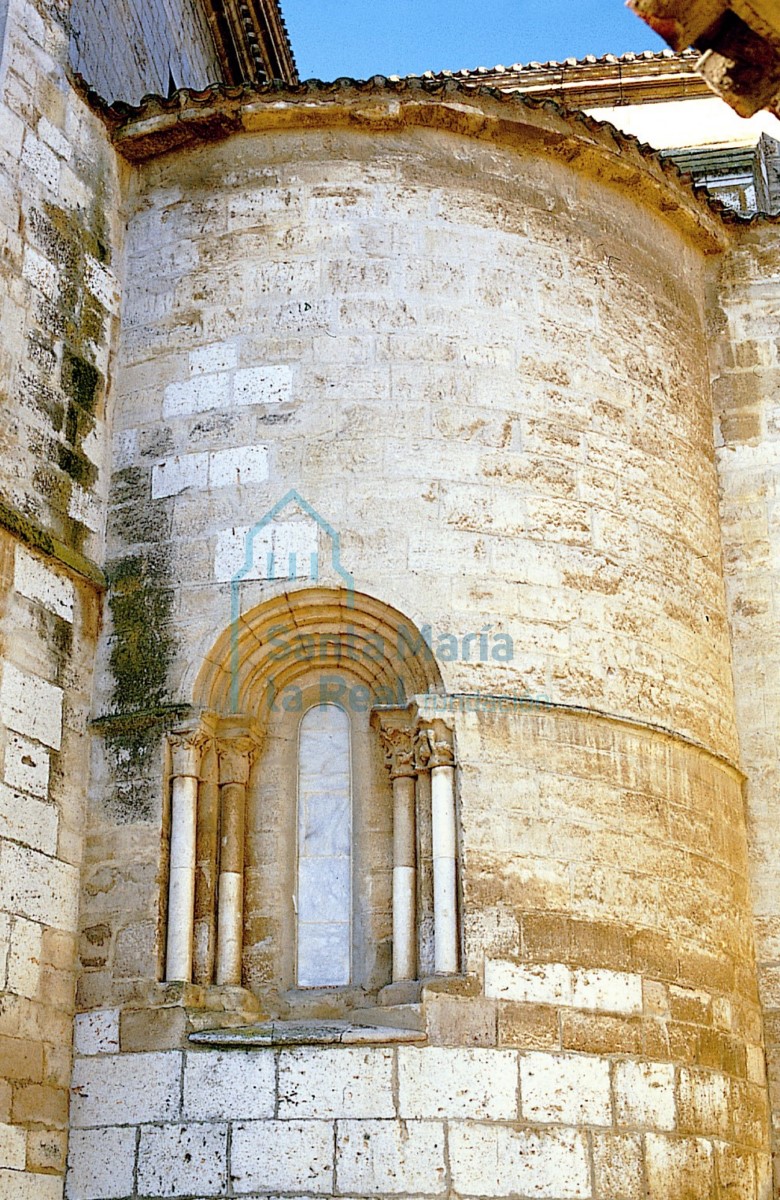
column 96, row 1032
column 224, row 1086
column 457, row 1083
column 128, row 1088
column 501, row 1161
column 101, row 1163
column 565, row 1089
column 378, row 1158
column 338, row 1083
column 289, row 1156
column 644, row 1095
column 177, row 1160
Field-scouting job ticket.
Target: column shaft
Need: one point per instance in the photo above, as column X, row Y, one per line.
column 181, row 888
column 230, row 912
column 404, row 879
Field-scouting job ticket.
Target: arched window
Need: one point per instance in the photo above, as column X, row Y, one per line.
column 324, row 849
column 313, row 803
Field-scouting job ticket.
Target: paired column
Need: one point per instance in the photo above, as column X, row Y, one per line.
column 235, row 750
column 186, row 747
column 398, row 742
column 409, row 752
column 434, row 752
column 235, row 755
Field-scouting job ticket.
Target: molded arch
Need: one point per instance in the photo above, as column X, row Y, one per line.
column 295, row 635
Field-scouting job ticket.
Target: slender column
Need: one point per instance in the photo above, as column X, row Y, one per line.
column 399, row 757
column 205, row 941
column 185, row 753
column 434, row 752
column 235, row 762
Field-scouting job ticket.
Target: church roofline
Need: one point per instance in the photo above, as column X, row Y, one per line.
column 635, row 78
column 159, row 125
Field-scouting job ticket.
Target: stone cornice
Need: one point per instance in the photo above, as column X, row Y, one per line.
column 189, row 119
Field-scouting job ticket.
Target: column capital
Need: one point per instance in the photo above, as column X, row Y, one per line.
column 433, row 746
column 235, row 756
column 186, row 745
column 398, row 745
column 396, row 733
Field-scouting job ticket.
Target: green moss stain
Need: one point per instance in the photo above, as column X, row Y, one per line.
column 80, row 323
column 141, row 600
column 142, row 648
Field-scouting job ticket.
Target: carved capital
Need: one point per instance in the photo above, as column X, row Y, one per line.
column 235, row 756
column 186, row 746
column 433, row 746
column 398, row 745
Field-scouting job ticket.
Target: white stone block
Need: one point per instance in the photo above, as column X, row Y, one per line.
column 217, row 356
column 40, row 273
column 54, row 138
column 101, row 1163
column 37, row 581
column 31, row 706
column 606, row 991
column 11, row 132
column 644, row 1095
column 229, row 1085
column 97, row 1032
column 94, row 446
column 23, row 1185
column 13, row 1147
column 175, row 475
column 279, row 550
column 263, row 385
column 547, row 983
column 125, row 1089
column 85, row 507
column 199, row 394
column 183, row 1160
column 344, row 1082
column 24, row 958
column 390, row 1158
column 242, row 467
column 28, row 820
column 40, row 888
column 496, row 1160
column 102, row 283
column 26, row 765
column 41, row 162
column 448, row 1082
column 282, row 1156
column 565, row 1089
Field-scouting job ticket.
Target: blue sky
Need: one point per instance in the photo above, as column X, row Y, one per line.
column 386, row 37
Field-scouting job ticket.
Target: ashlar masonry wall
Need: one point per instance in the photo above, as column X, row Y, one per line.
column 746, row 372
column 59, row 237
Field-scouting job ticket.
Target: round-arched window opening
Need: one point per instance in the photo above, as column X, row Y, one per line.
column 324, row 849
